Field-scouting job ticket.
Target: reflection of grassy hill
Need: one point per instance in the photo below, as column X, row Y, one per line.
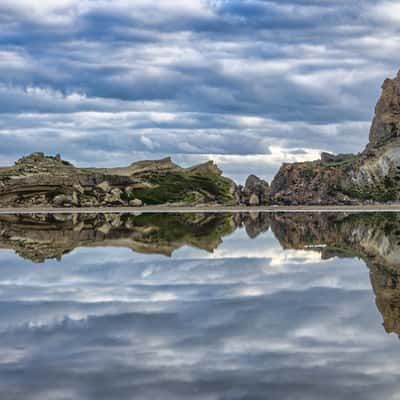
column 41, row 237
column 199, row 230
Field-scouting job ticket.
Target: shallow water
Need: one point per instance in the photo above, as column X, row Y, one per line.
column 207, row 306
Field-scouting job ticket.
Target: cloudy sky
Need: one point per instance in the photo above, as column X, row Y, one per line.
column 248, row 83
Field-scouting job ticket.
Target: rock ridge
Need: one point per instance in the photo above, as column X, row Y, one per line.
column 40, row 180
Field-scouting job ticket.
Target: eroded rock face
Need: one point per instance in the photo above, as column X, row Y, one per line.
column 312, row 183
column 39, row 180
column 136, row 203
column 386, row 124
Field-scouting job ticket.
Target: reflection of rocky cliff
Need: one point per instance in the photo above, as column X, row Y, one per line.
column 375, row 238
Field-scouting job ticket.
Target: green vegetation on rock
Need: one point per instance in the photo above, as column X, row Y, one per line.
column 376, row 193
column 184, row 187
column 340, row 163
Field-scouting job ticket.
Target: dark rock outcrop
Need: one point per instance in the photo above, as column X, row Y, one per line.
column 255, row 192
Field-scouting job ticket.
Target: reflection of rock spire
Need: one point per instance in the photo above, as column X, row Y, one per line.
column 255, row 223
column 387, row 291
column 375, row 238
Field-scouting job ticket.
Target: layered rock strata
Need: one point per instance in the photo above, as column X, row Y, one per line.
column 39, row 180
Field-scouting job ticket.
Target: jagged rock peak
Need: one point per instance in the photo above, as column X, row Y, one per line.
column 386, row 123
column 332, row 158
column 167, row 161
column 39, row 158
column 207, row 167
column 253, row 181
column 150, row 165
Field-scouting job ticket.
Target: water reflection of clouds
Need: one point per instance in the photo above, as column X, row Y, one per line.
column 109, row 323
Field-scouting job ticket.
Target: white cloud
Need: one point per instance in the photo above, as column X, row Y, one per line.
column 388, row 11
column 49, row 12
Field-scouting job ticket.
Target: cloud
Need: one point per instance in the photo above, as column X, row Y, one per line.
column 385, row 11
column 206, row 78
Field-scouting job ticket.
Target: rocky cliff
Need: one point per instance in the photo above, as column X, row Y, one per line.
column 39, row 180
column 370, row 176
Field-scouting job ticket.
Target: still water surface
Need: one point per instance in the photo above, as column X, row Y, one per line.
column 261, row 306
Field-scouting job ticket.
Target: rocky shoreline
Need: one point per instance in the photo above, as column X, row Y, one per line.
column 370, row 177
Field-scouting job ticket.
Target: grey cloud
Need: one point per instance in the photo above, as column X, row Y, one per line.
column 308, row 67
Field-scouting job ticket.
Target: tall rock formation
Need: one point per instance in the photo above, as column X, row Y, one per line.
column 370, row 176
column 386, row 123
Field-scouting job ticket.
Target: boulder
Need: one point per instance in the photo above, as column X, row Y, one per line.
column 254, row 200
column 136, row 203
column 63, row 200
column 255, row 192
column 104, row 186
column 78, row 188
column 114, row 197
column 90, row 201
column 75, row 199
